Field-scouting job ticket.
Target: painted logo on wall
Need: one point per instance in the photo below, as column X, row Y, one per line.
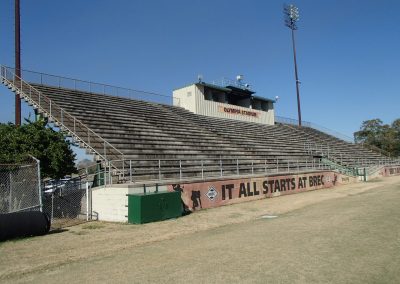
column 212, row 193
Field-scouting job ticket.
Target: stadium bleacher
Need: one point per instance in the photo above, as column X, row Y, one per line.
column 150, row 136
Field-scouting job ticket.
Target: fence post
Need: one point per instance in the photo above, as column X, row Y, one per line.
column 87, row 200
column 52, row 207
column 9, row 196
column 39, row 183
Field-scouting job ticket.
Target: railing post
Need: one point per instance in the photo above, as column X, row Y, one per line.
column 180, row 169
column 288, row 166
column 50, row 110
column 237, row 166
column 159, row 169
column 105, row 153
column 109, row 170
column 265, row 165
column 220, row 165
column 74, row 125
column 252, row 167
column 277, row 165
column 62, row 117
column 298, row 166
column 123, row 170
column 130, row 170
column 202, row 169
column 41, row 79
column 59, row 82
column 74, row 84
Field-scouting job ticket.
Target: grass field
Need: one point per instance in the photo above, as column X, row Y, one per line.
column 348, row 234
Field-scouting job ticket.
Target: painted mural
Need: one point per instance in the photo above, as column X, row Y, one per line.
column 391, row 171
column 208, row 194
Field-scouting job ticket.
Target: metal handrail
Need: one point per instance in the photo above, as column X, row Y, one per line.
column 295, row 122
column 52, row 108
column 77, row 82
column 219, row 168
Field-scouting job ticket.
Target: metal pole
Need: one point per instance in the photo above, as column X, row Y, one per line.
column 180, row 169
column 52, row 207
column 17, row 61
column 130, row 170
column 297, row 78
column 159, row 169
column 10, row 197
column 87, row 200
column 202, row 169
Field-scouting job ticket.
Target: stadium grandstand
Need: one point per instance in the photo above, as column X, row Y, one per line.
column 203, row 130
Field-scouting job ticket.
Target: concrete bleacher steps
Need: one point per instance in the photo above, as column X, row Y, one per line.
column 170, row 138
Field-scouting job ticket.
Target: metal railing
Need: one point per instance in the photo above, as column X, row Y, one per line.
column 67, row 122
column 328, row 152
column 295, row 122
column 92, row 87
column 224, row 82
column 179, row 169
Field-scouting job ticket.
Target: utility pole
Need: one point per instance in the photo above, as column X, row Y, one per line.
column 17, row 62
column 291, row 13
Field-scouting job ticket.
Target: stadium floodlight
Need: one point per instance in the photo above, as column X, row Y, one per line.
column 291, row 13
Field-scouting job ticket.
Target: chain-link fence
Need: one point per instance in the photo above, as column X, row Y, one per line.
column 20, row 187
column 67, row 201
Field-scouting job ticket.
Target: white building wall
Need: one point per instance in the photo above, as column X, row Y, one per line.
column 111, row 203
column 192, row 99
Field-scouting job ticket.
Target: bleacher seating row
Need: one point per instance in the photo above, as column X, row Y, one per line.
column 146, row 132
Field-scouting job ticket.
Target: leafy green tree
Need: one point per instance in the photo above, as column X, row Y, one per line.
column 386, row 137
column 370, row 132
column 34, row 138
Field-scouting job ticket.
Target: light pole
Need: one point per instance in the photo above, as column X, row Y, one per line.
column 291, row 13
column 17, row 62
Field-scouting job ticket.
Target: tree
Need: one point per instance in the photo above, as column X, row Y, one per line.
column 34, row 138
column 386, row 137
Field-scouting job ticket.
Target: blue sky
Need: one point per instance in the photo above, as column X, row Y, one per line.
column 348, row 51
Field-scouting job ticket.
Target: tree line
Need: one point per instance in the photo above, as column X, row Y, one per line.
column 375, row 133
